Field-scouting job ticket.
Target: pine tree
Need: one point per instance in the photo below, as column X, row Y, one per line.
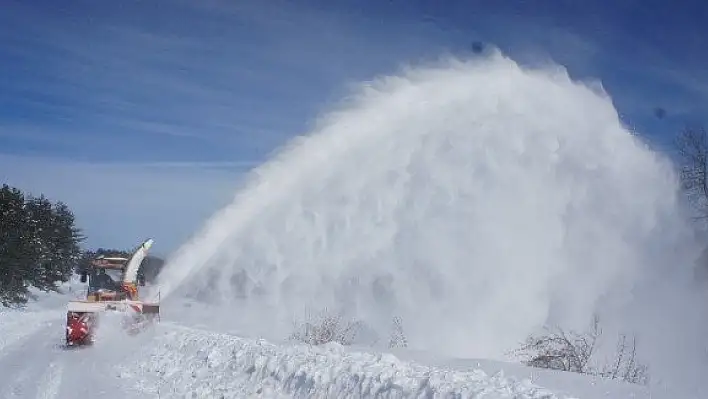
column 39, row 245
column 14, row 271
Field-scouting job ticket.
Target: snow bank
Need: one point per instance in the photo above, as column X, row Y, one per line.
column 182, row 362
column 18, row 324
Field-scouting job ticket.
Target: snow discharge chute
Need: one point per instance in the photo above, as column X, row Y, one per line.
column 131, row 270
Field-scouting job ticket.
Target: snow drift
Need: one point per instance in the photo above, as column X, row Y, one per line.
column 476, row 200
column 200, row 364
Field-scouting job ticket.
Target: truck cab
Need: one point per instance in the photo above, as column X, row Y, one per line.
column 105, row 276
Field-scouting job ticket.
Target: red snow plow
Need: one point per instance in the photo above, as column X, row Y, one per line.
column 112, row 287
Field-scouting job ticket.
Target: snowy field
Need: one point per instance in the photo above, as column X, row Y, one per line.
column 173, row 360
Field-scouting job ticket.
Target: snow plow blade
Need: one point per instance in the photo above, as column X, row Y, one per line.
column 82, row 318
column 117, row 306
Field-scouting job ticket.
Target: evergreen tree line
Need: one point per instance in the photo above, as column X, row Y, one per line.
column 39, row 245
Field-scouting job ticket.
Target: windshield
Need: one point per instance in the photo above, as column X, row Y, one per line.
column 110, row 280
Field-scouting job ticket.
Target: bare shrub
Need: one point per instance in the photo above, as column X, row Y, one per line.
column 329, row 326
column 326, row 327
column 625, row 366
column 573, row 351
column 560, row 350
column 692, row 145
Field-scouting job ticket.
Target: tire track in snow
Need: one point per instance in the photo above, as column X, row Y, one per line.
column 51, row 381
column 20, row 380
column 28, row 355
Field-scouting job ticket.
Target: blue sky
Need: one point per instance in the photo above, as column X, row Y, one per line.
column 170, row 102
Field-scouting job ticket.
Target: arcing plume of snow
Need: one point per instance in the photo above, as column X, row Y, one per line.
column 476, row 200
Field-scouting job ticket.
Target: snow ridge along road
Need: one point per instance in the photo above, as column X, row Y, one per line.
column 193, row 363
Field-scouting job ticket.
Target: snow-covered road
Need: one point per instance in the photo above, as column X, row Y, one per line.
column 34, row 364
column 31, row 366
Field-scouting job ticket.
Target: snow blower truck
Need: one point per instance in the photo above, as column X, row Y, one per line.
column 112, row 287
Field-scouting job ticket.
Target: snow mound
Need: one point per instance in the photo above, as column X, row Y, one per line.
column 183, row 362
